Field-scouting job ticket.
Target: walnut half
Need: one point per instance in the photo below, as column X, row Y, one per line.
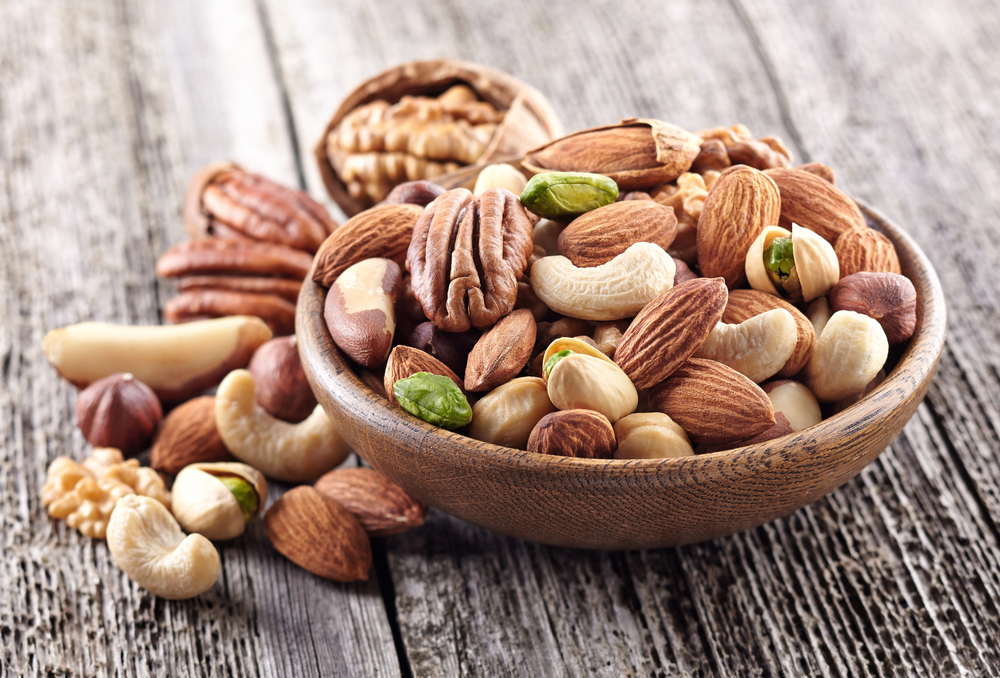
column 466, row 257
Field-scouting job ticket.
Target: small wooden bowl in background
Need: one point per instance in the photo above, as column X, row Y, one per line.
column 626, row 504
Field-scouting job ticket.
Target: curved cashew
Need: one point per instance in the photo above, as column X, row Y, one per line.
column 816, row 265
column 848, row 355
column 289, row 452
column 149, row 546
column 650, row 435
column 757, row 348
column 611, row 291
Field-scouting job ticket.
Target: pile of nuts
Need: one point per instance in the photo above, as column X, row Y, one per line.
column 648, row 292
column 254, row 241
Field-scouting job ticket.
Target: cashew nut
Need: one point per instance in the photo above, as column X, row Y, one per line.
column 611, row 291
column 175, row 361
column 506, row 415
column 583, row 382
column 757, row 348
column 650, row 435
column 149, row 546
column 819, row 314
column 795, row 401
column 282, row 451
column 816, row 267
column 848, row 355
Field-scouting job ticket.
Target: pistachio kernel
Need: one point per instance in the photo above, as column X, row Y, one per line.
column 563, row 196
column 779, row 261
column 245, row 494
column 433, row 398
column 554, row 358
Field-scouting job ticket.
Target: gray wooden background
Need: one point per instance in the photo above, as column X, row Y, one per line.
column 107, row 108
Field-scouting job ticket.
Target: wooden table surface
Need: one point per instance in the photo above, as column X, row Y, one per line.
column 107, row 108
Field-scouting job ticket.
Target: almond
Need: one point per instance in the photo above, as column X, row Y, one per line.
column 741, row 202
column 745, row 304
column 383, row 507
column 635, row 153
column 670, row 329
column 382, row 231
column 824, row 172
column 502, row 352
column 360, row 310
column 713, row 403
column 405, row 361
column 600, row 235
column 574, row 433
column 319, row 534
column 810, row 201
column 188, row 435
column 865, row 250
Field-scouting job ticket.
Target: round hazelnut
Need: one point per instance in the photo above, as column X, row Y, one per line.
column 282, row 389
column 118, row 411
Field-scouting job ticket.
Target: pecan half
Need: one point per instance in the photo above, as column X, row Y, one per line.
column 277, row 313
column 223, row 199
column 216, row 256
column 466, row 257
column 281, row 287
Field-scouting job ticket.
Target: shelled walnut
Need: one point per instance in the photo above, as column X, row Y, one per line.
column 85, row 494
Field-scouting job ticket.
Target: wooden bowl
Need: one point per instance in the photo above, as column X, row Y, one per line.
column 626, row 504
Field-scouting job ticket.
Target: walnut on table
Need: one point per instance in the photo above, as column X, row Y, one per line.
column 85, row 494
column 764, row 153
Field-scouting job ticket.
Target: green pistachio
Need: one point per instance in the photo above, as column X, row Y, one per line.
column 554, row 358
column 563, row 196
column 244, row 493
column 433, row 398
column 780, row 264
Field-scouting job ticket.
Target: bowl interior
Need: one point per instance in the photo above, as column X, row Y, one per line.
column 616, row 504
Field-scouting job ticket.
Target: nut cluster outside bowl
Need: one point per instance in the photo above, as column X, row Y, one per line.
column 626, row 504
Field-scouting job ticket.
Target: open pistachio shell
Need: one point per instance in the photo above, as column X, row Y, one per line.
column 585, row 382
column 575, row 345
column 204, row 505
column 756, row 272
column 816, row 262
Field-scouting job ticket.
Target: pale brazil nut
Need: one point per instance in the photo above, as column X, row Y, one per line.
column 149, row 546
column 611, row 291
column 282, row 451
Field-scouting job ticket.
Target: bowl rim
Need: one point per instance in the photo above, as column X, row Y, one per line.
column 908, row 377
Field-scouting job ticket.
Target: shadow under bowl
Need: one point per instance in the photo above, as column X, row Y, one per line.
column 626, row 504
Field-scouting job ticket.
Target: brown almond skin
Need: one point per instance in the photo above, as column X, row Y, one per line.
column 281, row 385
column 187, row 436
column 600, row 235
column 865, row 250
column 502, row 352
column 824, row 172
column 810, row 201
column 118, row 411
column 741, row 202
column 781, row 428
column 713, row 403
column 319, row 534
column 745, row 304
column 383, row 507
column 405, row 361
column 365, row 336
column 382, row 231
column 889, row 298
column 683, row 272
column 669, row 329
column 584, row 434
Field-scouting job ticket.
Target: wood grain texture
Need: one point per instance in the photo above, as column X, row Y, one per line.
column 107, row 108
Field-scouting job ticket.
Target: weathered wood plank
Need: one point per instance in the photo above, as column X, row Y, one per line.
column 105, row 111
column 893, row 573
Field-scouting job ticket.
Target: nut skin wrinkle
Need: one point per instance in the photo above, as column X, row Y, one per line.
column 757, row 348
column 149, row 546
column 282, row 451
column 612, row 291
column 848, row 355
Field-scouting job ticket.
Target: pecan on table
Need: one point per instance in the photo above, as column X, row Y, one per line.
column 225, row 201
column 466, row 257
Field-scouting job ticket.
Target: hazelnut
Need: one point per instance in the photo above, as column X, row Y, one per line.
column 282, row 389
column 574, row 433
column 889, row 298
column 118, row 411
